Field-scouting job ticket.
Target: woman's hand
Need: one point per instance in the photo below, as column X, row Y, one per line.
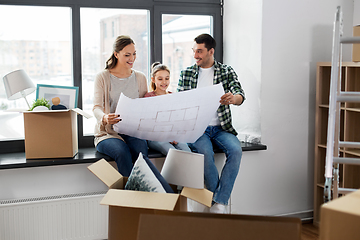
column 174, row 142
column 111, row 118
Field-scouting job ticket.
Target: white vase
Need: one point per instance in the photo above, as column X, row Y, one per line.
column 40, row 109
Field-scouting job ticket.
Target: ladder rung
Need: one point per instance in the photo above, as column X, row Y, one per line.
column 343, row 160
column 349, row 97
column 346, row 190
column 350, row 40
column 349, row 144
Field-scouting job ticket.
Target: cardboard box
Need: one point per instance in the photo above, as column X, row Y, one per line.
column 340, row 218
column 51, row 134
column 356, row 47
column 194, row 226
column 125, row 206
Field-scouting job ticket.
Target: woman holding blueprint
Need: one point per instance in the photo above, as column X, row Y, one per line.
column 160, row 80
column 118, row 77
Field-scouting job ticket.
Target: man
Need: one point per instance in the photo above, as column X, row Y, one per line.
column 220, row 132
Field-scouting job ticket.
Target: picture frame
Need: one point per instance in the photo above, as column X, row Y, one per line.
column 68, row 95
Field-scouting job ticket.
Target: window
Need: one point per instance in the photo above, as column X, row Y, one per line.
column 104, row 30
column 63, row 43
column 178, row 33
column 29, row 44
column 96, row 50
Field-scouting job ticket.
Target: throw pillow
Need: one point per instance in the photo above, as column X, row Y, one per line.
column 158, row 175
column 142, row 178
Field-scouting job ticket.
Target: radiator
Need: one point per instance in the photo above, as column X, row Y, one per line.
column 65, row 217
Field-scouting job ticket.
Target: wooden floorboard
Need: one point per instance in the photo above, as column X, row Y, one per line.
column 309, row 232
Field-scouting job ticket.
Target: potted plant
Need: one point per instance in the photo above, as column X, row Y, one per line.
column 40, row 104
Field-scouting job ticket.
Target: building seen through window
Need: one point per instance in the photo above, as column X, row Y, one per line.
column 41, row 48
column 97, row 40
column 178, row 33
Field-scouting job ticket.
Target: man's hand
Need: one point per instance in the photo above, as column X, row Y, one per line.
column 229, row 98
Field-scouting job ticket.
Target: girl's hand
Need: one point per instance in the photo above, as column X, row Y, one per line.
column 174, row 142
column 111, row 118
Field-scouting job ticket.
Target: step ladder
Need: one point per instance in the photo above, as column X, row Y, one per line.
column 336, row 97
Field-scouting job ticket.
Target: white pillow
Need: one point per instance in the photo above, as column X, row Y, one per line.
column 142, row 178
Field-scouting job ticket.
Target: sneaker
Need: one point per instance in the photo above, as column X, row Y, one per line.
column 218, row 208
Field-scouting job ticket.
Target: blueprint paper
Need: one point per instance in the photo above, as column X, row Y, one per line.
column 181, row 116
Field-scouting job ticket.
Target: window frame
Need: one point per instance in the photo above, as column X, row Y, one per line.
column 210, row 10
column 156, row 9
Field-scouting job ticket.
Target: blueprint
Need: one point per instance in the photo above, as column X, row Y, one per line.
column 181, row 116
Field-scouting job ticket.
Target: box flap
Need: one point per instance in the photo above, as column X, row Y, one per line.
column 82, row 113
column 106, row 173
column 139, row 199
column 202, row 196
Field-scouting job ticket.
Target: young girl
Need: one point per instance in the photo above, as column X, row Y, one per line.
column 160, row 80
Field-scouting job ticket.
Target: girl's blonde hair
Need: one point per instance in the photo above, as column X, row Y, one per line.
column 119, row 44
column 155, row 67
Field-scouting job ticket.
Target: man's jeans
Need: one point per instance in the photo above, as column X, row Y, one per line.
column 215, row 136
column 124, row 153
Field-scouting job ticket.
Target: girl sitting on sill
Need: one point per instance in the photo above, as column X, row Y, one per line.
column 160, row 80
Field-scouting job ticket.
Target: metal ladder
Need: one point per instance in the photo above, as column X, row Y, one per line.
column 337, row 96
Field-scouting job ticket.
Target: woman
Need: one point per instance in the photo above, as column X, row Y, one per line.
column 118, row 77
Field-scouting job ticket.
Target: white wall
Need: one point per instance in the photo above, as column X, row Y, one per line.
column 21, row 183
column 274, row 46
column 243, row 43
column 356, row 12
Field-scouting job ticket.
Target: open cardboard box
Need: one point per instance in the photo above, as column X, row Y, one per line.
column 164, row 225
column 340, row 218
column 51, row 134
column 125, row 206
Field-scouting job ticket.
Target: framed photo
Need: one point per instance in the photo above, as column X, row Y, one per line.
column 68, row 95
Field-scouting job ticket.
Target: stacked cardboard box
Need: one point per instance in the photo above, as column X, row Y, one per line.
column 340, row 218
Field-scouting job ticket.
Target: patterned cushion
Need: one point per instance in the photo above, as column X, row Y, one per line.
column 161, row 179
column 142, row 178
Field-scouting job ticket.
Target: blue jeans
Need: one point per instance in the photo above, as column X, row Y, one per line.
column 124, row 153
column 215, row 136
column 164, row 147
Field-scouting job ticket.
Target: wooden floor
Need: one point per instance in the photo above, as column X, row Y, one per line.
column 309, row 232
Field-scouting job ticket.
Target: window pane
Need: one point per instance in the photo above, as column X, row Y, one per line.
column 99, row 29
column 41, row 48
column 178, row 33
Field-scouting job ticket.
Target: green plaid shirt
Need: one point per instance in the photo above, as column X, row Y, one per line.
column 222, row 74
